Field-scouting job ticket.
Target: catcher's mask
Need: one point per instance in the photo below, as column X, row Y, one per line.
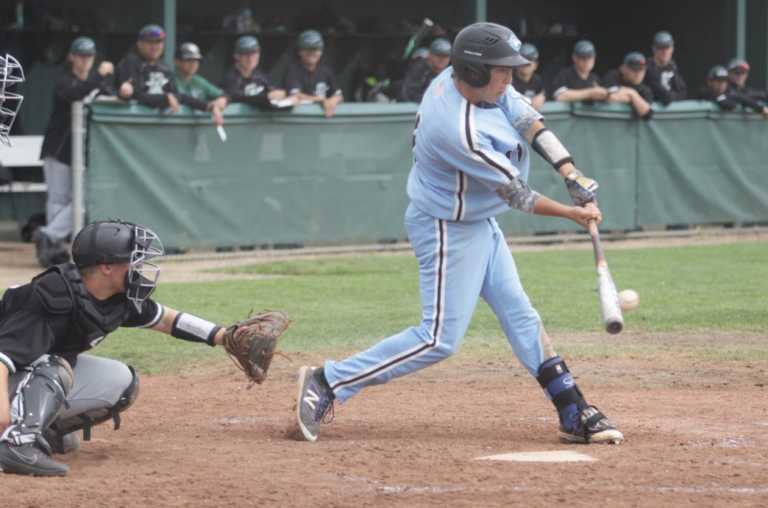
column 113, row 242
column 11, row 73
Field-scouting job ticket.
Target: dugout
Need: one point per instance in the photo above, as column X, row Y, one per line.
column 707, row 32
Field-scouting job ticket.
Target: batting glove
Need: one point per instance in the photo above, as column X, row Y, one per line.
column 583, row 190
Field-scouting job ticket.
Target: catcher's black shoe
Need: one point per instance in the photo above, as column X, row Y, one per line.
column 592, row 427
column 29, row 459
column 62, row 443
column 313, row 403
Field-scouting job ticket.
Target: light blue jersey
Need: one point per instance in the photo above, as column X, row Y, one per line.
column 463, row 153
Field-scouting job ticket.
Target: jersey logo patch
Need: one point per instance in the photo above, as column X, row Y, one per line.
column 156, row 82
column 252, row 89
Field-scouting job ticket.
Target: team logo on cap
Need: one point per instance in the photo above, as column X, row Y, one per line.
column 514, row 42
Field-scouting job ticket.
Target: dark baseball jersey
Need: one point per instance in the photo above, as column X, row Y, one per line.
column 68, row 89
column 666, row 82
column 251, row 89
column 321, row 83
column 614, row 78
column 531, row 88
column 568, row 79
column 417, row 79
column 54, row 314
column 725, row 100
column 745, row 91
column 151, row 82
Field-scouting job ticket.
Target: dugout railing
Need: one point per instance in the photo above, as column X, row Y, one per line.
column 298, row 178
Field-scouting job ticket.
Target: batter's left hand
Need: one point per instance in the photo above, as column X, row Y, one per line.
column 583, row 190
column 584, row 214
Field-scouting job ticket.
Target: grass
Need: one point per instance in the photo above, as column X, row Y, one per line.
column 345, row 303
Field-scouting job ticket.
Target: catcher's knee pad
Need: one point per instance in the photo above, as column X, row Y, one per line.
column 88, row 419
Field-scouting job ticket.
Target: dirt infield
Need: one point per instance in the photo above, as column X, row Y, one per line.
column 697, row 434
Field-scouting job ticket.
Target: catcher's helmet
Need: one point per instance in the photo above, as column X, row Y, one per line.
column 113, row 242
column 481, row 46
column 11, row 74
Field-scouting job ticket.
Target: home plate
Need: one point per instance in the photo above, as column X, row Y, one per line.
column 551, row 456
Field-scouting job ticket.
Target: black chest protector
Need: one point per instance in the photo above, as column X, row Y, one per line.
column 66, row 294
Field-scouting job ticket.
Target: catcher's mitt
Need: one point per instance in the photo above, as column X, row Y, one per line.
column 251, row 342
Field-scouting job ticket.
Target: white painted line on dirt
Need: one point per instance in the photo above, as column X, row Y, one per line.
column 549, row 456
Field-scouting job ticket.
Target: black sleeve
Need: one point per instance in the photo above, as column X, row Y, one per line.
column 653, row 81
column 538, row 84
column 292, row 81
column 150, row 315
column 333, row 84
column 679, row 87
column 746, row 101
column 127, row 69
column 192, row 102
column 71, row 89
column 413, row 85
column 644, row 92
column 560, row 82
column 611, row 78
column 26, row 334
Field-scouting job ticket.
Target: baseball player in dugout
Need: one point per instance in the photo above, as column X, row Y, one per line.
column 78, row 80
column 718, row 90
column 578, row 82
column 244, row 81
column 194, row 90
column 141, row 74
column 662, row 75
column 527, row 81
column 423, row 70
column 625, row 84
column 738, row 73
column 472, row 143
column 46, row 326
column 310, row 80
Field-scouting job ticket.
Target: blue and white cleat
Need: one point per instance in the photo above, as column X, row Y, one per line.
column 313, row 403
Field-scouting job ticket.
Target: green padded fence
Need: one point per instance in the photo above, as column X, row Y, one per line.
column 300, row 178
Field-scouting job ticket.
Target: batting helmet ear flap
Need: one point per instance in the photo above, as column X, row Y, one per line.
column 475, row 75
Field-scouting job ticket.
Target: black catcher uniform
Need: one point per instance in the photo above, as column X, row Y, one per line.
column 45, row 328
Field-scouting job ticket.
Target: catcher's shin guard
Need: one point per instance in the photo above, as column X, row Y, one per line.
column 88, row 419
column 38, row 400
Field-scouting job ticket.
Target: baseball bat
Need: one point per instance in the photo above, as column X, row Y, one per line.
column 610, row 310
column 424, row 29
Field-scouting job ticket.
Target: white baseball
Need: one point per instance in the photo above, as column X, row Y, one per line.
column 629, row 299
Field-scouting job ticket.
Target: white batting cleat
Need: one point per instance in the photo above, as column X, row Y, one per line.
column 593, row 427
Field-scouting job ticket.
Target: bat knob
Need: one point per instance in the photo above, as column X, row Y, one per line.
column 614, row 327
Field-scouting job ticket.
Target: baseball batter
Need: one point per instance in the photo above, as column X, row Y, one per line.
column 54, row 389
column 472, row 145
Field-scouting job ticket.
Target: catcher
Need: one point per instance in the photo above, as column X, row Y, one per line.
column 54, row 388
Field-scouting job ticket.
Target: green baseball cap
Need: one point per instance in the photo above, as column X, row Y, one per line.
column 83, row 46
column 440, row 46
column 663, row 39
column 310, row 39
column 584, row 49
column 247, row 44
